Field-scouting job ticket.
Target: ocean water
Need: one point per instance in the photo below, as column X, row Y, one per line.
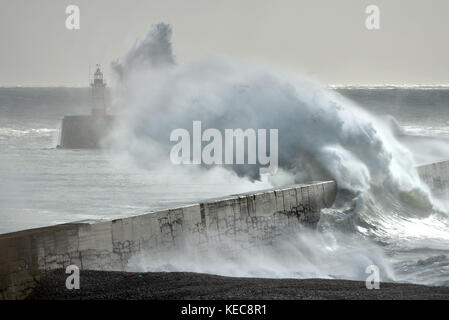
column 420, row 110
column 41, row 185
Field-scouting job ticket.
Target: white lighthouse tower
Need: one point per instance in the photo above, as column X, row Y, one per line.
column 98, row 93
column 89, row 131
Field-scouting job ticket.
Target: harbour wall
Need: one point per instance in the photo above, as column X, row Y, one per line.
column 252, row 217
column 435, row 175
column 85, row 131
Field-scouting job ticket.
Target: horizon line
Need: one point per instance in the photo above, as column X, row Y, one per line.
column 331, row 86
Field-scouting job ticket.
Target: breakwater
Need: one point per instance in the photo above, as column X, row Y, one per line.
column 26, row 255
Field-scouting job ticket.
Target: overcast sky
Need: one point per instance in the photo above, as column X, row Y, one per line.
column 327, row 39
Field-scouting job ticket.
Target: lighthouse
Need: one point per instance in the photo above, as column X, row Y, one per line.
column 98, row 95
column 89, row 131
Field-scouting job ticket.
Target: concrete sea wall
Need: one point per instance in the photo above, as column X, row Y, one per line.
column 250, row 218
column 435, row 175
column 25, row 256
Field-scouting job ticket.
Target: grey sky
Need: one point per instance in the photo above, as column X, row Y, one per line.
column 327, row 39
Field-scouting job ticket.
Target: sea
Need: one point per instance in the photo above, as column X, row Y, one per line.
column 42, row 185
